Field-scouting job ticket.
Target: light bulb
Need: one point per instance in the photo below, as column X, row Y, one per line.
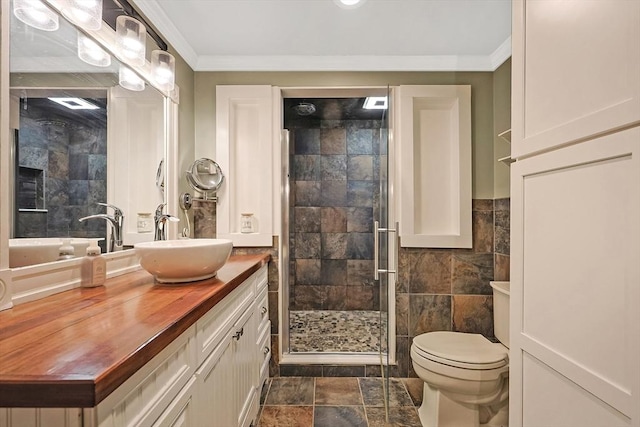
column 35, row 14
column 163, row 65
column 130, row 80
column 131, row 38
column 91, row 53
column 84, row 13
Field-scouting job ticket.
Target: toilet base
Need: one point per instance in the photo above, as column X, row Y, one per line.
column 438, row 410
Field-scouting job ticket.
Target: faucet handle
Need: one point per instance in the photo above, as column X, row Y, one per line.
column 116, row 210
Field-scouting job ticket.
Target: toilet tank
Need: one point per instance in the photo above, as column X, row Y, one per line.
column 501, row 311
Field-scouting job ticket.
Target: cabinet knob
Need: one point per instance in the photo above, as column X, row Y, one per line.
column 266, row 350
column 264, row 310
column 238, row 334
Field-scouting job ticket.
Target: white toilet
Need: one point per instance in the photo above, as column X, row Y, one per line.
column 466, row 376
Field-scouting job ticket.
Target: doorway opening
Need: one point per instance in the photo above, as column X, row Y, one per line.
column 335, row 188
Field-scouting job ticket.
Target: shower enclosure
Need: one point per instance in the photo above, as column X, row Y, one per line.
column 335, row 190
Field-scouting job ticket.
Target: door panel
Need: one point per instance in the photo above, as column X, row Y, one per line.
column 554, row 43
column 576, row 274
column 553, row 408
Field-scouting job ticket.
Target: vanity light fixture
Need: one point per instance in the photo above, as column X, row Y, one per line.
column 91, row 53
column 84, row 13
column 375, row 103
column 36, row 14
column 131, row 38
column 163, row 66
column 130, row 80
column 75, row 103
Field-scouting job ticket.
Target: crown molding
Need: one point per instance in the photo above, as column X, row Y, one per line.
column 344, row 63
column 159, row 19
column 501, row 54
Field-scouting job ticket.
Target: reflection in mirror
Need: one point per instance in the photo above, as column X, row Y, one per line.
column 79, row 140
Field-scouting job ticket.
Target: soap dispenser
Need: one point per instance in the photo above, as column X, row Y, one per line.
column 94, row 267
column 66, row 251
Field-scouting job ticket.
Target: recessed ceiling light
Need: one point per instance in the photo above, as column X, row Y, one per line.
column 375, row 103
column 349, row 4
column 75, row 103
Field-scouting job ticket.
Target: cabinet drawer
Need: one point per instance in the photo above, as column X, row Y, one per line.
column 145, row 395
column 262, row 308
column 212, row 327
column 180, row 412
column 262, row 278
column 264, row 353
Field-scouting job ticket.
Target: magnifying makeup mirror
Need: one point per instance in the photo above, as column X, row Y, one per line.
column 205, row 176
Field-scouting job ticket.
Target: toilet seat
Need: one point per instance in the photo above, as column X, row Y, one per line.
column 461, row 350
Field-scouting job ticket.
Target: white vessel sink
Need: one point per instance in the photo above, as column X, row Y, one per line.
column 38, row 250
column 188, row 260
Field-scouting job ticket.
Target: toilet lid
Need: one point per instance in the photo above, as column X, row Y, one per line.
column 462, row 349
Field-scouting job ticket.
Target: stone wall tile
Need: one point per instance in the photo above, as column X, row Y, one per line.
column 429, row 313
column 472, row 273
column 333, row 141
column 473, row 314
column 430, row 271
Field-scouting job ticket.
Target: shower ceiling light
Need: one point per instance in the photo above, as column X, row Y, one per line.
column 36, row 14
column 75, row 103
column 84, row 13
column 375, row 103
column 91, row 53
column 131, row 39
column 349, row 4
column 304, row 108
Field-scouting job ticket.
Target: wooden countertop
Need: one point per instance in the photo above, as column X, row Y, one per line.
column 74, row 348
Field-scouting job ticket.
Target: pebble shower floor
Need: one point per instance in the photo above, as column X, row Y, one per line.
column 330, row 331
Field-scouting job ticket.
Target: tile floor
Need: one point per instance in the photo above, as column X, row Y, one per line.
column 338, row 402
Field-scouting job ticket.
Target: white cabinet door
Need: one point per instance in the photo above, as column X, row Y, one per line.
column 226, row 380
column 215, row 385
column 434, row 166
column 575, row 285
column 575, row 209
column 136, row 137
column 245, row 368
column 244, row 150
column 576, row 68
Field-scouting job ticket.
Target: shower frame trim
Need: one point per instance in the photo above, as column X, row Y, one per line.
column 282, row 212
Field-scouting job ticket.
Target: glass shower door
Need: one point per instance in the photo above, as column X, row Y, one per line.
column 384, row 247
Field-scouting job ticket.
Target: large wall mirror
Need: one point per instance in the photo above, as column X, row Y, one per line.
column 79, row 140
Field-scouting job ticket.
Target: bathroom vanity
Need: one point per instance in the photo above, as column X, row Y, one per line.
column 135, row 352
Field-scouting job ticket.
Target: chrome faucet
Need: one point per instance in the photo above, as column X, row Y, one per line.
column 117, row 225
column 160, row 221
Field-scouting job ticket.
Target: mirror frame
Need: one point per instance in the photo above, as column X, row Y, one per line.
column 37, row 281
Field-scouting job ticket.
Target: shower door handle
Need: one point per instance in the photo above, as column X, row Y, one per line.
column 376, row 250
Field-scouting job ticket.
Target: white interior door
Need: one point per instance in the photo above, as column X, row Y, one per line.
column 575, row 214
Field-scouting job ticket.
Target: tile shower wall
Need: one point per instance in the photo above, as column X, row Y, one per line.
column 73, row 157
column 334, row 173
